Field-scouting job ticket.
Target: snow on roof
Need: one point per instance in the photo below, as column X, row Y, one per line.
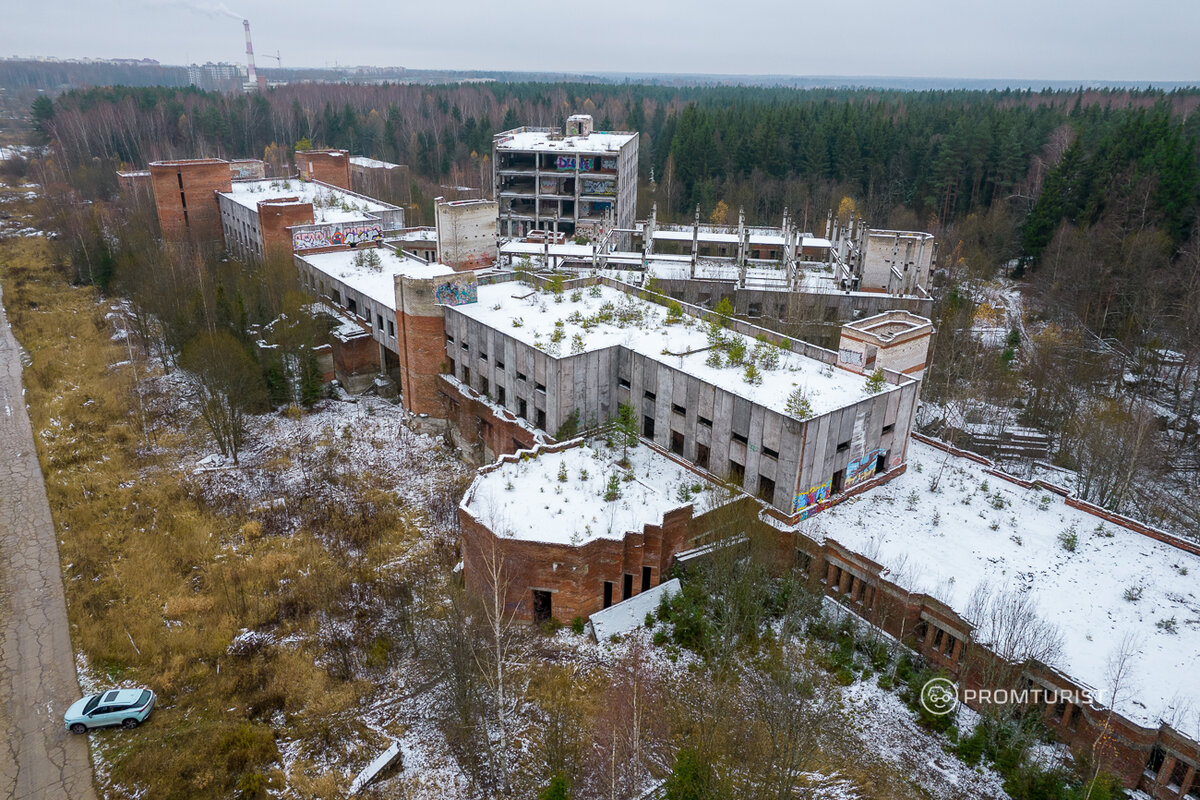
column 330, row 204
column 546, row 141
column 1083, row 592
column 373, row 163
column 628, row 615
column 726, row 237
column 683, row 345
column 525, row 500
column 378, row 283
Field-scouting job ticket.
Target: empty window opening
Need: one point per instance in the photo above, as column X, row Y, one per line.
column 766, row 489
column 881, row 463
column 522, row 408
column 648, row 427
column 702, row 456
column 888, row 429
column 542, row 606
column 678, row 409
column 627, row 586
column 623, row 383
column 769, row 453
column 645, row 578
column 705, row 421
column 839, row 481
column 843, row 447
column 541, row 419
column 500, row 395
column 608, row 593
column 737, row 472
column 677, row 443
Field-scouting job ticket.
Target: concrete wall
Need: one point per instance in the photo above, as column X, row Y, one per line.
column 184, row 196
column 910, row 253
column 391, row 184
column 467, row 233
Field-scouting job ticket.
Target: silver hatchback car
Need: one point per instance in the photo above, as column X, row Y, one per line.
column 125, row 707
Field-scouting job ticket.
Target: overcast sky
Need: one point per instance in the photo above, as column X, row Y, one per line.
column 1023, row 39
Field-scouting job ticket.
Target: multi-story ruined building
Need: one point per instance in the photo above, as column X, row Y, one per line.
column 565, row 182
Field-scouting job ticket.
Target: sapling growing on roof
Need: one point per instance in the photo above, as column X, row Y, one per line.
column 612, row 491
column 876, row 382
column 798, row 404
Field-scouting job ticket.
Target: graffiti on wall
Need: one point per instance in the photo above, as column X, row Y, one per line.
column 816, row 494
column 608, row 163
column 334, row 236
column 549, row 185
column 854, row 357
column 568, row 162
column 861, row 469
column 457, row 291
column 599, row 187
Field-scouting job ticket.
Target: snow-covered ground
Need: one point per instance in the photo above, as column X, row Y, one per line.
column 531, row 501
column 533, row 318
column 977, row 528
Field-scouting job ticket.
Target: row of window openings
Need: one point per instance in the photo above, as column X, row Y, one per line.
column 502, row 396
column 943, row 641
column 626, row 586
column 521, row 376
column 1178, row 775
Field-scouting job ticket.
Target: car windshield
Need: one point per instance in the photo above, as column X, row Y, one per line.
column 92, row 702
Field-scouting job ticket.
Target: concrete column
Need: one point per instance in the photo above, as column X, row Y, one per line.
column 855, row 583
column 695, row 240
column 847, row 579
column 741, row 247
column 830, row 572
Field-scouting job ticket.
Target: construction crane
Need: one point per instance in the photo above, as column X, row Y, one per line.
column 278, row 60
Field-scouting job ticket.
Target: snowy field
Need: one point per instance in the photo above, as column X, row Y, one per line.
column 977, row 528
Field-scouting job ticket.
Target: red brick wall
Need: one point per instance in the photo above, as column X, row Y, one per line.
column 200, row 179
column 274, row 218
column 477, row 421
column 356, row 356
column 575, row 576
column 327, row 166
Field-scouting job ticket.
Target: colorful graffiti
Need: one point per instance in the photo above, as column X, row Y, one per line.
column 861, row 469
column 568, row 162
column 599, row 187
column 816, row 494
column 457, row 292
column 312, row 238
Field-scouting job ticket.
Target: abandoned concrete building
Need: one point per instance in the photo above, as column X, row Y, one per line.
column 569, row 183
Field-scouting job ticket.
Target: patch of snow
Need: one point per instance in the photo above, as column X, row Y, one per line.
column 627, row 615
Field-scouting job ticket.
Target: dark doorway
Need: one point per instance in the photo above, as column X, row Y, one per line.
column 645, row 578
column 881, row 463
column 542, row 608
column 608, row 592
column 737, row 473
column 702, row 456
column 839, row 481
column 648, row 427
column 627, row 588
column 677, row 443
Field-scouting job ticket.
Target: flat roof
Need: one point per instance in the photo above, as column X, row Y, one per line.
column 547, row 141
column 379, row 284
column 540, row 508
column 1084, row 592
column 373, row 163
column 683, row 346
column 330, row 204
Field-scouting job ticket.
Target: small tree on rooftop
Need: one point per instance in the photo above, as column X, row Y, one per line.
column 627, row 431
column 798, row 404
column 876, row 382
column 613, row 490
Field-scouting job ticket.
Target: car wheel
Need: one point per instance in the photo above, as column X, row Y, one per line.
column 79, row 727
column 129, row 723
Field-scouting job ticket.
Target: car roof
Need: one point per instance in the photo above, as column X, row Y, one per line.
column 121, row 696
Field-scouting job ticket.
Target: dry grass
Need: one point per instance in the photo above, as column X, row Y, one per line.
column 159, row 583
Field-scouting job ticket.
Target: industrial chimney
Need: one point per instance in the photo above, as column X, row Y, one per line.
column 251, row 75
